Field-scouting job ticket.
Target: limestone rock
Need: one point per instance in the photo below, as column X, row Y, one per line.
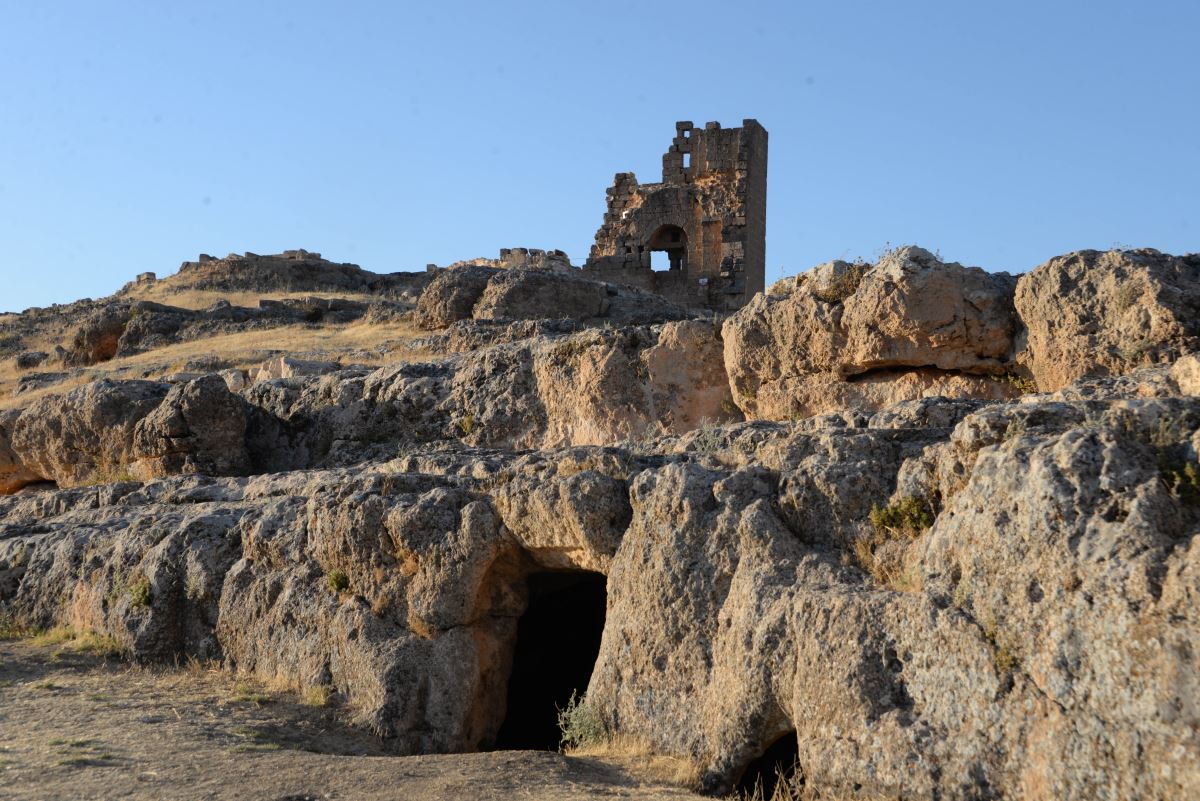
column 1186, row 374
column 451, row 296
column 199, row 427
column 85, row 435
column 98, row 336
column 866, row 337
column 13, row 474
column 288, row 367
column 485, row 293
column 1093, row 313
column 525, row 294
column 29, row 359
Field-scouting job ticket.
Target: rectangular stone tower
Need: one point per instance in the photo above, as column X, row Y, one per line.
column 707, row 220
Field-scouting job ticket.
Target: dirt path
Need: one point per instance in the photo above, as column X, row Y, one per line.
column 77, row 726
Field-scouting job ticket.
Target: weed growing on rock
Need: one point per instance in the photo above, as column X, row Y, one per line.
column 337, row 581
column 580, row 723
column 1004, row 656
column 1022, row 384
column 140, row 593
column 11, row 629
column 1180, row 475
column 881, row 553
column 1126, row 295
column 467, row 424
column 908, row 516
column 1133, row 351
column 843, row 286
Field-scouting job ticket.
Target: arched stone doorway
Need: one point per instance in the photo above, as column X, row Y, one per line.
column 671, row 240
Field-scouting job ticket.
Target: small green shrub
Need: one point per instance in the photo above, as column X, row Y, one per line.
column 580, row 723
column 337, row 581
column 875, row 552
column 1004, row 656
column 140, row 593
column 1022, row 384
column 467, row 424
column 910, row 516
column 1180, row 475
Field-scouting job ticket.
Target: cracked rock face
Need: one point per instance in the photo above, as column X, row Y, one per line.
column 1095, row 313
column 934, row 590
column 869, row 336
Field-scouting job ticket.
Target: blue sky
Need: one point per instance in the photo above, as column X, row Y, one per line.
column 134, row 136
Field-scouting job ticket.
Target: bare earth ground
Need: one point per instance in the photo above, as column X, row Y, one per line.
column 78, row 726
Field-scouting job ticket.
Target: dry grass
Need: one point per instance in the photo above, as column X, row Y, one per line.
column 641, row 759
column 198, row 299
column 84, row 642
column 386, row 344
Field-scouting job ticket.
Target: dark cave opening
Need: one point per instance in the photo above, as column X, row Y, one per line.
column 558, row 640
column 780, row 760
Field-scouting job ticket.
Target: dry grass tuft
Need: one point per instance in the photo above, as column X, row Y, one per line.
column 639, row 758
column 84, row 642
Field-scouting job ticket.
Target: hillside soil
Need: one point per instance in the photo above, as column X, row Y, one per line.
column 78, row 726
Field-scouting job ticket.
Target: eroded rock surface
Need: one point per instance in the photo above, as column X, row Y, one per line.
column 867, row 336
column 1105, row 313
column 933, row 588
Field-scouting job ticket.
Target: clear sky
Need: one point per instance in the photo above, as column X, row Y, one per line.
column 135, row 135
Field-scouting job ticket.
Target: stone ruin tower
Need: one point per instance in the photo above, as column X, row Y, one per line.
column 707, row 220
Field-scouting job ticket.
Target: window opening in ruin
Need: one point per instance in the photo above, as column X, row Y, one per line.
column 687, row 161
column 558, row 640
column 672, row 241
column 780, row 760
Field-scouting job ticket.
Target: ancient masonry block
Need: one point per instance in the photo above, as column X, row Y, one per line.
column 709, row 217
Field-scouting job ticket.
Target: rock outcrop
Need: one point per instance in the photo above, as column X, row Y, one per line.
column 929, row 588
column 1093, row 313
column 127, row 430
column 867, row 336
column 1037, row 642
column 485, row 293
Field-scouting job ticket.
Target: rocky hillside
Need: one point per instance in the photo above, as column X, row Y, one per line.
column 922, row 530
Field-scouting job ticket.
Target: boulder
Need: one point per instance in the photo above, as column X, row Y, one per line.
column 288, row 367
column 13, row 474
column 521, row 294
column 451, row 296
column 132, row 430
column 906, row 327
column 98, row 337
column 199, row 427
column 29, row 359
column 1093, row 313
column 488, row 294
column 85, row 435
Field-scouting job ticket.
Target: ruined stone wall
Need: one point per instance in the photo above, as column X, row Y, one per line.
column 708, row 215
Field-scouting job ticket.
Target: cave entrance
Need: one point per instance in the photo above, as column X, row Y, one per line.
column 780, row 760
column 668, row 244
column 558, row 640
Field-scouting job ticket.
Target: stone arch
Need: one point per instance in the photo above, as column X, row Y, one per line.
column 672, row 240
